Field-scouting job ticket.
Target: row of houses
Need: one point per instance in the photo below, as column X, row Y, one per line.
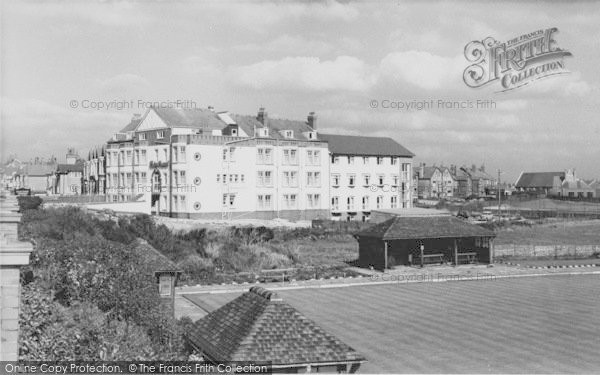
column 199, row 163
column 436, row 182
column 45, row 176
column 558, row 184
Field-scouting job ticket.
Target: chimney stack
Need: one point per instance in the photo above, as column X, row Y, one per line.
column 422, row 172
column 262, row 116
column 312, row 120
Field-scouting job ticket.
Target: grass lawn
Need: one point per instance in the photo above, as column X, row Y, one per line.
column 559, row 233
column 553, row 204
column 545, row 324
column 332, row 250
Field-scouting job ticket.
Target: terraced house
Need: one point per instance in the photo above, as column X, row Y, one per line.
column 198, row 163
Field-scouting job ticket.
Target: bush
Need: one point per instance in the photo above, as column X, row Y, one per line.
column 92, row 298
column 27, row 202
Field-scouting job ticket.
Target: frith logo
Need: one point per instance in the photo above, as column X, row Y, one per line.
column 515, row 63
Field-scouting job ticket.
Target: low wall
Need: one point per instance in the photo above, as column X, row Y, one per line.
column 340, row 226
column 526, row 251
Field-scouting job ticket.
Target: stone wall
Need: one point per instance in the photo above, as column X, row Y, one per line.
column 13, row 254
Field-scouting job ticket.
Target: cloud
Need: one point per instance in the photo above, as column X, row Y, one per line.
column 123, row 85
column 305, row 73
column 33, row 127
column 111, row 14
column 422, row 69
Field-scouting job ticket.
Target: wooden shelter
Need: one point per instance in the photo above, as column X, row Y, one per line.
column 424, row 240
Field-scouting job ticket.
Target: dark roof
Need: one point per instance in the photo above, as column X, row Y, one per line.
column 197, row 118
column 427, row 172
column 360, row 145
column 259, row 326
column 132, row 125
column 538, row 179
column 424, row 227
column 44, row 169
column 249, row 123
column 66, row 168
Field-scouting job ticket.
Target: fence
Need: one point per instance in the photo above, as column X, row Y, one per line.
column 556, row 251
column 75, row 199
column 340, row 226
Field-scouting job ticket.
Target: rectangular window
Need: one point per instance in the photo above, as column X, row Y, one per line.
column 160, row 134
column 351, row 160
column 365, row 160
column 365, row 203
column 224, row 154
column 143, row 178
column 224, row 200
column 182, row 177
column 335, row 179
column 264, row 178
column 136, row 157
column 142, row 137
column 182, row 153
column 380, row 179
column 379, row 160
column 314, row 200
column 394, row 160
column 350, row 205
column 351, row 180
column 394, row 201
column 165, row 154
column 290, row 200
column 316, row 157
column 366, row 179
column 380, row 201
column 396, row 180
column 335, row 203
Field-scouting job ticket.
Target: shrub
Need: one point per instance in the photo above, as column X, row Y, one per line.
column 28, row 202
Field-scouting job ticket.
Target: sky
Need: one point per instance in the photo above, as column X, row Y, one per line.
column 346, row 61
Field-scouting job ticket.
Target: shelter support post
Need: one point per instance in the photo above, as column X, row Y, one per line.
column 455, row 252
column 385, row 254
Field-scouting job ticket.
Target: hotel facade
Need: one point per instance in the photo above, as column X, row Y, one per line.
column 198, row 163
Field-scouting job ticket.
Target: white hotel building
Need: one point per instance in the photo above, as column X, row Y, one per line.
column 197, row 163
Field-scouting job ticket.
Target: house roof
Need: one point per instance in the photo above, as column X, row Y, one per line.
column 428, row 172
column 401, row 228
column 196, row 118
column 360, row 145
column 538, row 179
column 44, row 169
column 66, row 168
column 132, row 125
column 259, row 326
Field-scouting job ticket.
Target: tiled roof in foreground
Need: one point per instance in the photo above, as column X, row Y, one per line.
column 402, row 228
column 360, row 145
column 259, row 326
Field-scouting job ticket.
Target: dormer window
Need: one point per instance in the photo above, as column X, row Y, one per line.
column 160, row 134
column 312, row 135
column 142, row 137
column 262, row 132
column 234, row 132
column 288, row 134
